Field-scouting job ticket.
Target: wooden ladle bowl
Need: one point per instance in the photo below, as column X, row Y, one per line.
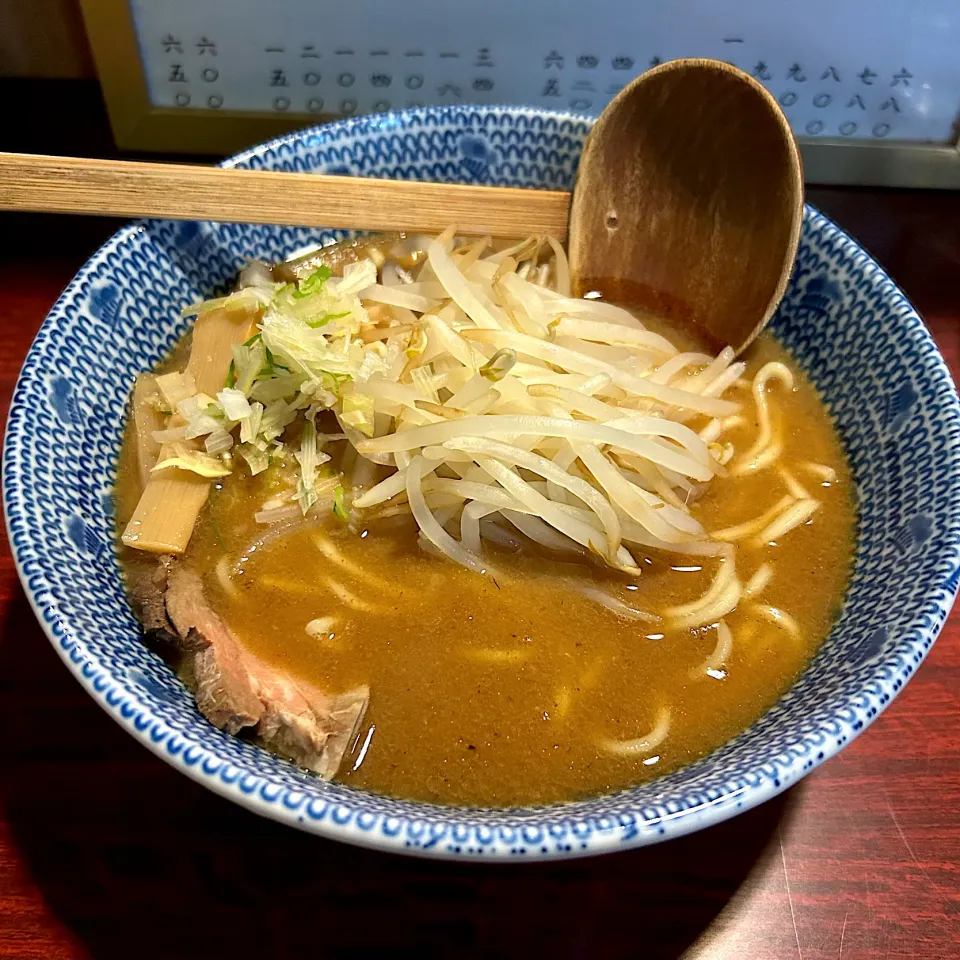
column 689, row 200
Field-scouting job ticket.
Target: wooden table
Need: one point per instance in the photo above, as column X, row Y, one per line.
column 106, row 851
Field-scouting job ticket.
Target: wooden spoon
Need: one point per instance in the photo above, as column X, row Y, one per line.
column 689, row 194
column 689, row 200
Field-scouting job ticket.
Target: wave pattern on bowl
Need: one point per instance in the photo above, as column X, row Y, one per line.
column 846, row 323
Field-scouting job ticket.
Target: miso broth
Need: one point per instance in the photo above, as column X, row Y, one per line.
column 502, row 690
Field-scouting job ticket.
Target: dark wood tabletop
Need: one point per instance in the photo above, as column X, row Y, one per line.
column 105, row 851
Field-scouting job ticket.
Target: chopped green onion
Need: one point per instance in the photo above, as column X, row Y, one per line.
column 310, row 457
column 248, row 364
column 235, row 405
column 339, row 507
column 271, row 367
column 256, row 459
column 250, row 426
column 312, row 283
column 325, row 319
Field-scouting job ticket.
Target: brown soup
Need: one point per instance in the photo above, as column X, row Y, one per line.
column 504, row 691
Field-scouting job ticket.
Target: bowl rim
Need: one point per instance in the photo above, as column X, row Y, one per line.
column 607, row 833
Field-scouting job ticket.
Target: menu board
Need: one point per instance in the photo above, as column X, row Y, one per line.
column 857, row 69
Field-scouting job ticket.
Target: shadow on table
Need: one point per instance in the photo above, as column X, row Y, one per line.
column 137, row 861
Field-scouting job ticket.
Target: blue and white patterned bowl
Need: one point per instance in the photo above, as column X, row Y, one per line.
column 846, row 324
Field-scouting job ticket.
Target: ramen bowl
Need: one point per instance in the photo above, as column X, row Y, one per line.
column 846, row 324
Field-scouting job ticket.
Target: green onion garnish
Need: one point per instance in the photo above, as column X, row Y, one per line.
column 339, row 507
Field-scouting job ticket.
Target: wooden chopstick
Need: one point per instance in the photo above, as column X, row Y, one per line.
column 122, row 188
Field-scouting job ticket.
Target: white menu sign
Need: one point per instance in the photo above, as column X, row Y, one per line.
column 875, row 69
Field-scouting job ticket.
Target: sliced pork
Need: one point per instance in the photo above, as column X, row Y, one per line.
column 236, row 690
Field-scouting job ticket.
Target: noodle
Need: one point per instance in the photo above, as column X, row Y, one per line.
column 759, row 581
column 791, row 518
column 330, row 551
column 321, row 626
column 721, row 653
column 793, row 485
column 713, row 665
column 344, row 595
column 642, row 745
column 821, row 471
column 780, row 617
column 489, row 655
column 742, row 530
column 562, row 700
column 721, row 598
column 224, row 577
column 618, row 607
column 754, row 458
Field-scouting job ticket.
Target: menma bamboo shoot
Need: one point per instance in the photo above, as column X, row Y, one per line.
column 146, row 420
column 173, row 498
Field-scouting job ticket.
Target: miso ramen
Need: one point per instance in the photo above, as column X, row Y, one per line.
column 410, row 513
